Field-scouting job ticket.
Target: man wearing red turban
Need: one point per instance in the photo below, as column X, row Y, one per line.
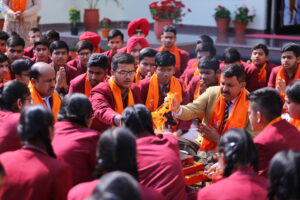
column 139, row 27
column 92, row 37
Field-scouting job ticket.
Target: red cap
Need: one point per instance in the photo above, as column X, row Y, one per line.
column 92, row 37
column 133, row 41
column 141, row 23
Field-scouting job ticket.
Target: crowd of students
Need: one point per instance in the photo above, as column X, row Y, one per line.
column 90, row 133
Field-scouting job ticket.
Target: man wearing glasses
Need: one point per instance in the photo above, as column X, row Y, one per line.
column 110, row 98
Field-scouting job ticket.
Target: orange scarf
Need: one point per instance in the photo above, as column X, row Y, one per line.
column 153, row 92
column 197, row 72
column 197, row 90
column 174, row 50
column 262, row 75
column 296, row 123
column 37, row 99
column 17, row 5
column 236, row 119
column 281, row 74
column 118, row 96
column 87, row 86
column 137, row 76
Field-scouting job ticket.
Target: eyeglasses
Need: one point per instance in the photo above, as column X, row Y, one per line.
column 126, row 73
column 84, row 54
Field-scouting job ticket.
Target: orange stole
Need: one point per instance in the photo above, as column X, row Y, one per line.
column 17, row 5
column 137, row 76
column 37, row 99
column 153, row 92
column 296, row 123
column 174, row 50
column 236, row 119
column 197, row 72
column 118, row 96
column 262, row 75
column 195, row 64
column 87, row 86
column 197, row 90
column 281, row 74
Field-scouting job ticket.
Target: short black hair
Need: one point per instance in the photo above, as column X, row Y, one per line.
column 21, row 64
column 52, row 35
column 170, row 29
column 209, row 62
column 35, row 29
column 3, row 58
column 261, row 46
column 205, row 39
column 4, row 35
column 231, row 55
column 205, row 46
column 14, row 41
column 236, row 70
column 98, row 60
column 164, row 58
column 295, row 48
column 292, row 91
column 59, row 44
column 121, row 58
column 267, row 101
column 147, row 52
column 84, row 44
column 76, row 108
column 41, row 41
column 114, row 33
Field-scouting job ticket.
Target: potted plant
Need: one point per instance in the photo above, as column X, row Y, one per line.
column 243, row 15
column 74, row 16
column 91, row 15
column 166, row 12
column 105, row 23
column 222, row 17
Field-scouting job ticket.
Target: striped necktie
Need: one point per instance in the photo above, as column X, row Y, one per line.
column 226, row 113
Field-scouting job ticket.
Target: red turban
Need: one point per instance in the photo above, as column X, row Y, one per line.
column 141, row 23
column 92, row 37
column 133, row 41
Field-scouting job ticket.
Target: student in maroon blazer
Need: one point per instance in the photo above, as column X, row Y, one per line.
column 158, row 158
column 84, row 50
column 238, row 161
column 33, row 172
column 232, row 56
column 96, row 73
column 284, row 176
column 103, row 98
column 73, row 141
column 275, row 134
column 14, row 96
column 116, row 152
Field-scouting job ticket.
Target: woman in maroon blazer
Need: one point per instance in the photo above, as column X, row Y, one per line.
column 14, row 96
column 73, row 141
column 33, row 173
column 116, row 151
column 239, row 161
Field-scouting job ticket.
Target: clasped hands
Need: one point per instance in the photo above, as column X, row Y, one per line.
column 19, row 15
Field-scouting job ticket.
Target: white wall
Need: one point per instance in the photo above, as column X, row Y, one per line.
column 56, row 11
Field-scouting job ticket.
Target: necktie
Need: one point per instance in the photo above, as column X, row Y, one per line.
column 226, row 113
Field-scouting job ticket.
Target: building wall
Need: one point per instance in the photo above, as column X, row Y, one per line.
column 56, row 11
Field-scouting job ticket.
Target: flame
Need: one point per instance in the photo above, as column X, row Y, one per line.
column 158, row 117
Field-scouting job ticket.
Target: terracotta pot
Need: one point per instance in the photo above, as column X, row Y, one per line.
column 222, row 24
column 159, row 25
column 105, row 32
column 91, row 19
column 240, row 27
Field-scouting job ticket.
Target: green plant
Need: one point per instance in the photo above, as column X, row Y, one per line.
column 222, row 12
column 168, row 9
column 93, row 3
column 105, row 22
column 244, row 14
column 74, row 16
